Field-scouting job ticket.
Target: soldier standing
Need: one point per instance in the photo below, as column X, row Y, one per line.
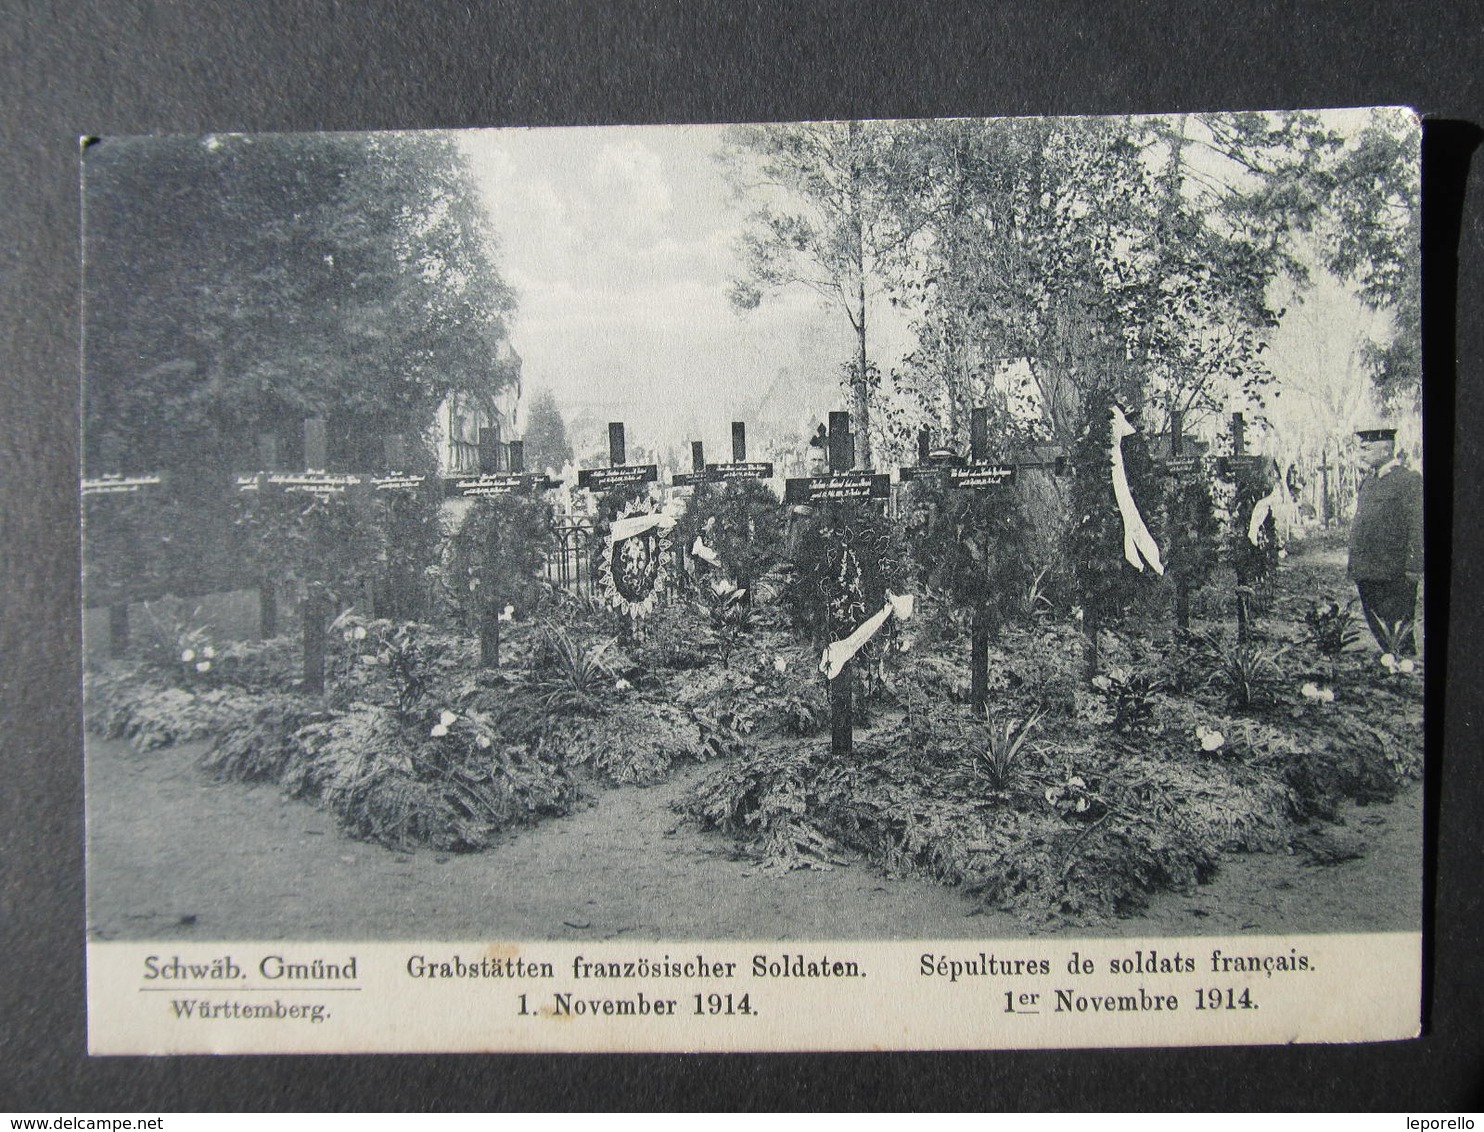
column 1386, row 541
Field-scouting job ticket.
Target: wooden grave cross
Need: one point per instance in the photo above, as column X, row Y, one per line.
column 738, row 468
column 1185, row 462
column 315, row 481
column 491, row 479
column 1231, row 466
column 842, row 483
column 619, row 472
column 982, row 475
column 118, row 486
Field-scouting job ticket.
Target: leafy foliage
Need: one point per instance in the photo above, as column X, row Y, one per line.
column 452, row 787
column 262, row 744
column 1246, row 671
column 971, row 545
column 495, row 557
column 1331, row 629
column 123, row 701
column 573, row 678
column 638, row 741
column 1129, row 696
column 1004, row 747
column 238, row 284
column 794, row 807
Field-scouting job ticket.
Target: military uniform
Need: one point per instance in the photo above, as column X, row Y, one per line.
column 1386, row 550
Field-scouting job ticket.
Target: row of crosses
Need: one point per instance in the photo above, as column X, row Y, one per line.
column 840, row 481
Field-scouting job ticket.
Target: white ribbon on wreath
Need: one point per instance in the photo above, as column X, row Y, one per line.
column 1139, row 546
column 838, row 654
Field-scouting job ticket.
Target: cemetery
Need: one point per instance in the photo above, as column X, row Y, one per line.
column 1061, row 667
column 974, row 731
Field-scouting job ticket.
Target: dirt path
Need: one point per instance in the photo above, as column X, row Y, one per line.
column 173, row 854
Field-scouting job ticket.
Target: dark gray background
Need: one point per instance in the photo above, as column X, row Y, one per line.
column 133, row 67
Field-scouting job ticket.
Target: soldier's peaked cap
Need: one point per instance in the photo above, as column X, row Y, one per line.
column 1367, row 435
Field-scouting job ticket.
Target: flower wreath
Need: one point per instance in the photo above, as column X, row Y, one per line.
column 630, row 568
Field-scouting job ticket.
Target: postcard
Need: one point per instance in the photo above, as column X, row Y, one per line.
column 944, row 584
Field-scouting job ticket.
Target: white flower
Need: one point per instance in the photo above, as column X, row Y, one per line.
column 439, row 730
column 1310, row 691
column 1388, row 662
column 203, row 666
column 1102, row 683
column 621, row 685
column 208, row 652
column 780, row 664
column 1282, row 554
column 506, row 614
column 1211, row 739
column 360, row 632
column 349, row 635
column 482, row 742
column 187, row 656
column 1408, row 666
column 447, row 717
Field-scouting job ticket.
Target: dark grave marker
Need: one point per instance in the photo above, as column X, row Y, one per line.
column 618, row 473
column 739, row 467
column 698, row 473
column 842, row 484
column 1184, row 462
column 983, row 475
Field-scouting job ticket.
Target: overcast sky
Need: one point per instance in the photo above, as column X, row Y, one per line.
column 620, row 243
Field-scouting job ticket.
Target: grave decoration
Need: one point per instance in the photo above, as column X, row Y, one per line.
column 851, row 573
column 971, row 533
column 330, row 531
column 1115, row 558
column 1253, row 544
column 732, row 527
column 496, row 555
column 636, row 544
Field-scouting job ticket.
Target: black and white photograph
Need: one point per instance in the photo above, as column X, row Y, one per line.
column 997, row 543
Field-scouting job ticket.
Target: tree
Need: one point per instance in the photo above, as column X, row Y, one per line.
column 1376, row 234
column 236, row 285
column 822, row 224
column 546, row 445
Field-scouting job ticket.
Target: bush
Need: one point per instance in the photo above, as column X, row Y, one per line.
column 795, row 807
column 452, row 785
column 127, row 701
column 496, row 557
column 262, row 746
column 640, row 742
